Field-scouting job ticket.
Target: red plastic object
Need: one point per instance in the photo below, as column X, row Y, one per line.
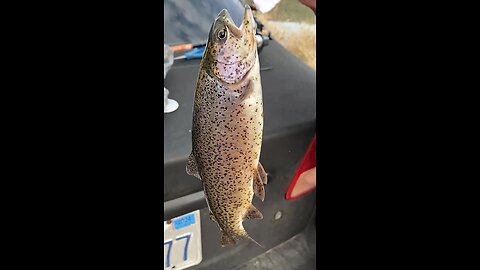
column 309, row 162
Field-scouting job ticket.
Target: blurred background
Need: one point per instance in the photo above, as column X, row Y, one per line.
column 293, row 25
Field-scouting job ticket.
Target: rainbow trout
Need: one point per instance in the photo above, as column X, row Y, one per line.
column 227, row 126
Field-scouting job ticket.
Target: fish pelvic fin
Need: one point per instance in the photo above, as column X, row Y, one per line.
column 262, row 174
column 258, row 187
column 259, row 180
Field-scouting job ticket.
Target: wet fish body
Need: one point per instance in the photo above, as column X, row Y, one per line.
column 228, row 125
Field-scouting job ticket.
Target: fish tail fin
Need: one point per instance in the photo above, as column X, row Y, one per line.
column 226, row 240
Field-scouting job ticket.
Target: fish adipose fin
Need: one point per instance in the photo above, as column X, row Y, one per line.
column 253, row 213
column 192, row 168
column 262, row 173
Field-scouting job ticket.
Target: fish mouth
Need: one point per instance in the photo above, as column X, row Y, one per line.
column 247, row 22
column 224, row 14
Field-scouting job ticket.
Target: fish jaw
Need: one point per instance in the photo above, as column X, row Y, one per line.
column 231, row 51
column 247, row 28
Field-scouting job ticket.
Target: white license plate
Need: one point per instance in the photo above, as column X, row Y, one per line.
column 182, row 243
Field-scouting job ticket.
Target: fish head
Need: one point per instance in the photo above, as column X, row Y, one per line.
column 231, row 51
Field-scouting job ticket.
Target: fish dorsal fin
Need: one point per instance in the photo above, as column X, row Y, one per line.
column 253, row 213
column 192, row 168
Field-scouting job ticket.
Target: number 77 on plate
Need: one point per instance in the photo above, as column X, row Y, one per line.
column 182, row 245
column 185, row 249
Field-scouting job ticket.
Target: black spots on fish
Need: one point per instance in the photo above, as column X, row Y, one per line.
column 229, row 143
column 253, row 213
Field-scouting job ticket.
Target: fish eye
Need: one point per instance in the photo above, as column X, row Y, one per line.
column 222, row 34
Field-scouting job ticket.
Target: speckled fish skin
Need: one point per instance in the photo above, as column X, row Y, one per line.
column 228, row 125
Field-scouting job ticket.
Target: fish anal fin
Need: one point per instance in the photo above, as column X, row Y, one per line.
column 253, row 213
column 262, row 174
column 192, row 168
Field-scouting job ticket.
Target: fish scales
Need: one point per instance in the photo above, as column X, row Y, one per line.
column 228, row 125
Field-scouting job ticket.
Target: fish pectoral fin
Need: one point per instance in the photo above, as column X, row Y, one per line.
column 247, row 90
column 258, row 187
column 253, row 213
column 192, row 168
column 262, row 173
column 226, row 240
